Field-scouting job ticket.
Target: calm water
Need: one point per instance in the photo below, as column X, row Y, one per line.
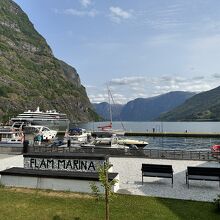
column 168, row 142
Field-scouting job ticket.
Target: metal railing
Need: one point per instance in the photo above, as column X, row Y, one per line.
column 142, row 153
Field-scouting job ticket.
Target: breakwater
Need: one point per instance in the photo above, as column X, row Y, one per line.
column 174, row 134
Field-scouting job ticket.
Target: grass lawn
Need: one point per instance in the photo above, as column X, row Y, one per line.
column 23, row 204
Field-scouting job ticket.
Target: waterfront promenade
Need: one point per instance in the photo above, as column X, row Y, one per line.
column 129, row 170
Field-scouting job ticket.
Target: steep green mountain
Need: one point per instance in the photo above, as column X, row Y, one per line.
column 147, row 109
column 201, row 107
column 31, row 76
column 102, row 109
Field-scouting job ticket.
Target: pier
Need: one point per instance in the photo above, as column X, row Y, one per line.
column 173, row 134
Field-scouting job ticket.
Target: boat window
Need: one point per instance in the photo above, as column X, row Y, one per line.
column 45, row 129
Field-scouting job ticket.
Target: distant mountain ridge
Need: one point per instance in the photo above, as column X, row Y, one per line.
column 144, row 109
column 201, row 107
column 31, row 76
column 103, row 110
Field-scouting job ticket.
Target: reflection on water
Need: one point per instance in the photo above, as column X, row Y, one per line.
column 181, row 143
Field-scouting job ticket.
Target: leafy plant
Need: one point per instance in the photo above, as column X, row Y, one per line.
column 106, row 184
column 95, row 190
column 217, row 201
column 1, row 185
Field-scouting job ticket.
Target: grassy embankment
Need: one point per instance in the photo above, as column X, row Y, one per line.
column 25, row 204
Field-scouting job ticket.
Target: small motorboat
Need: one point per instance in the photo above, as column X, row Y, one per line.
column 215, row 148
column 45, row 133
column 119, row 141
column 77, row 135
column 215, row 151
column 11, row 136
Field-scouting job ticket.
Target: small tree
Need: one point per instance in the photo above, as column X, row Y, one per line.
column 106, row 184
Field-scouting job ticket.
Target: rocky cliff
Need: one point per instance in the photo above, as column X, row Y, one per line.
column 31, row 76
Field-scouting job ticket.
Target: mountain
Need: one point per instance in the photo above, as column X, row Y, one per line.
column 147, row 109
column 201, row 107
column 102, row 109
column 31, row 76
column 143, row 109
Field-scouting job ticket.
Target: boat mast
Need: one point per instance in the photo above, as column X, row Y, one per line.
column 110, row 108
column 109, row 101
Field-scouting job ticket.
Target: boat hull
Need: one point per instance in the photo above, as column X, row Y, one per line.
column 11, row 144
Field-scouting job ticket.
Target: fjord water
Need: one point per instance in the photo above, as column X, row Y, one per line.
column 168, row 142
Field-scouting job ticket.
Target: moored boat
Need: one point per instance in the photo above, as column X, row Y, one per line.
column 77, row 135
column 11, row 137
column 105, row 137
column 45, row 133
column 215, row 151
column 215, row 148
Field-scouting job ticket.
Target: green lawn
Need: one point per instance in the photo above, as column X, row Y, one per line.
column 35, row 204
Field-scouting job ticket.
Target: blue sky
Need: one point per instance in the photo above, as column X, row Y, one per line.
column 139, row 48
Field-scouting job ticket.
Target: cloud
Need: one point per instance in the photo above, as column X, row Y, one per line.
column 216, row 75
column 85, row 3
column 80, row 13
column 131, row 87
column 166, row 16
column 75, row 12
column 133, row 80
column 117, row 14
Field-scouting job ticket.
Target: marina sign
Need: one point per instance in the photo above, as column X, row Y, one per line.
column 76, row 163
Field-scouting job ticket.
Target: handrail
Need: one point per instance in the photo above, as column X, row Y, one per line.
column 142, row 153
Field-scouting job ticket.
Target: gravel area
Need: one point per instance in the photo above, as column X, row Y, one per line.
column 8, row 161
column 129, row 170
column 3, row 156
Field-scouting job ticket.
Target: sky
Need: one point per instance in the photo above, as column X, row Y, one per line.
column 140, row 48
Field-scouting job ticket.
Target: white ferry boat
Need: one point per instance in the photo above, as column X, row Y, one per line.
column 51, row 119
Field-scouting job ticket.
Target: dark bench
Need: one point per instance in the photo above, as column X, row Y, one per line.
column 157, row 170
column 203, row 173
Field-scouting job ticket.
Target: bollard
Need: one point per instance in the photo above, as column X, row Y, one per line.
column 69, row 143
column 25, row 146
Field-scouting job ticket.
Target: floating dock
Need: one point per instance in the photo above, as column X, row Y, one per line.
column 174, row 134
column 166, row 134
